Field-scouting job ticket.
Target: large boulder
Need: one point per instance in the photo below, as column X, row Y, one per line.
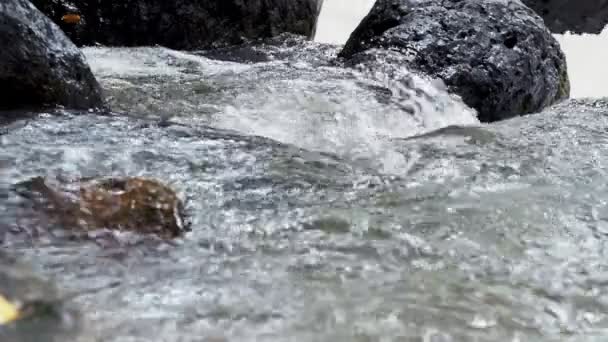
column 496, row 54
column 39, row 65
column 180, row 24
column 578, row 16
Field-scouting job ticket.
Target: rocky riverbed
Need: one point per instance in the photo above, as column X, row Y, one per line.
column 292, row 198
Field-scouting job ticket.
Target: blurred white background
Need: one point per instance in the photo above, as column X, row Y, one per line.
column 587, row 55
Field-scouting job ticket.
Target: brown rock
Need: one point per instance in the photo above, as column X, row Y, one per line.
column 125, row 204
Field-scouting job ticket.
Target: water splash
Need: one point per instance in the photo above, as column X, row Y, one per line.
column 354, row 114
column 356, row 117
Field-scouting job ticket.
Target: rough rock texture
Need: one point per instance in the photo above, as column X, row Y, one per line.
column 39, row 66
column 182, row 24
column 286, row 46
column 496, row 54
column 130, row 204
column 578, row 16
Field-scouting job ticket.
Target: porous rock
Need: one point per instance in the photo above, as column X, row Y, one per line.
column 495, row 54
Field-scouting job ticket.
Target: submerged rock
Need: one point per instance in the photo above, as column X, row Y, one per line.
column 130, row 204
column 181, row 24
column 497, row 55
column 39, row 66
column 286, row 46
column 578, row 16
column 31, row 308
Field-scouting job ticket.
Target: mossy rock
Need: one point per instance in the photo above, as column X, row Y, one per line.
column 131, row 204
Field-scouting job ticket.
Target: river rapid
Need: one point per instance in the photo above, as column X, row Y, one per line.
column 322, row 209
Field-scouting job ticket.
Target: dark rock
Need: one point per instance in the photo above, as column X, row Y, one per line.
column 130, row 204
column 497, row 55
column 286, row 46
column 39, row 65
column 181, row 24
column 577, row 16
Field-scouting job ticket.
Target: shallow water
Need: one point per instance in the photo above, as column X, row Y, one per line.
column 321, row 210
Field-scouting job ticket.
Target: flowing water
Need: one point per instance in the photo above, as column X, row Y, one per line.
column 321, row 209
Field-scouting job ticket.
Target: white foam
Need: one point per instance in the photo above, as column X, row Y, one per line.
column 152, row 61
column 336, row 110
column 349, row 120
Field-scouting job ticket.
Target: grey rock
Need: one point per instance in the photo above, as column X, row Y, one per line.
column 578, row 16
column 497, row 55
column 182, row 24
column 39, row 65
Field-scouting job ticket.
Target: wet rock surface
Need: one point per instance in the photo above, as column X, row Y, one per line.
column 578, row 16
column 182, row 24
column 129, row 204
column 39, row 65
column 286, row 46
column 497, row 55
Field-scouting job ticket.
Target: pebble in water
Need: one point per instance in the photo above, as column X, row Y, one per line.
column 129, row 204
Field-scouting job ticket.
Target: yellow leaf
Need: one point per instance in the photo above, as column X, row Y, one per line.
column 8, row 311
